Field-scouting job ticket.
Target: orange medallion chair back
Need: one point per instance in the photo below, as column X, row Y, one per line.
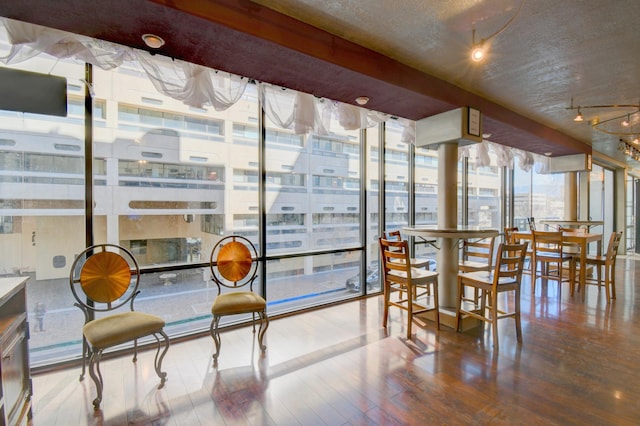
column 234, row 268
column 608, row 263
column 505, row 276
column 414, row 290
column 104, row 278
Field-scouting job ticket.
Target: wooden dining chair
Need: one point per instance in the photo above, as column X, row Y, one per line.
column 234, row 268
column 414, row 290
column 549, row 254
column 415, row 262
column 606, row 262
column 477, row 255
column 510, row 238
column 506, row 276
column 572, row 248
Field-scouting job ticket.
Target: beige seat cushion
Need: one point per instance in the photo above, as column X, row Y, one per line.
column 120, row 328
column 237, row 303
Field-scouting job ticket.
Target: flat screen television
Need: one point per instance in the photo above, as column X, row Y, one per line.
column 27, row 91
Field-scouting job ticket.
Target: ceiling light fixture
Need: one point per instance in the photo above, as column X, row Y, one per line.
column 362, row 100
column 578, row 117
column 479, row 48
column 153, row 41
column 625, row 124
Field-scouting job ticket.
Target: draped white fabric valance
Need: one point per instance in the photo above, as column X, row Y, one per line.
column 505, row 156
column 192, row 84
column 197, row 86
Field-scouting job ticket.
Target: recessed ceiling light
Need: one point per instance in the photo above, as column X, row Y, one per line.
column 548, row 154
column 153, row 41
column 362, row 100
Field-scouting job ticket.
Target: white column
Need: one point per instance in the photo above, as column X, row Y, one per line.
column 571, row 196
column 447, row 256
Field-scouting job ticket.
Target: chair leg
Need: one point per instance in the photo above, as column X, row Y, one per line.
column 159, row 357
column 135, row 350
column 96, row 375
column 385, row 314
column 612, row 277
column 607, row 282
column 517, row 316
column 534, row 268
column 460, row 297
column 436, row 303
column 264, row 324
column 572, row 276
column 85, row 353
column 494, row 318
column 410, row 298
column 215, row 334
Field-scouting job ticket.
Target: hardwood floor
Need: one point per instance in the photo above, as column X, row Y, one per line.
column 579, row 364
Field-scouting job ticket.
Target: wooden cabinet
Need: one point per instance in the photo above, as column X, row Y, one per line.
column 15, row 380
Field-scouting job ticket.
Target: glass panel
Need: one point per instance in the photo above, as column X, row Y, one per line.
column 521, row 197
column 630, row 213
column 426, row 188
column 296, row 283
column 312, row 203
column 372, row 217
column 540, row 196
column 164, row 177
column 609, row 204
column 596, row 193
column 484, row 193
column 42, row 209
column 396, row 178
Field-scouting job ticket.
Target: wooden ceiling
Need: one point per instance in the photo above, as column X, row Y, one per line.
column 249, row 39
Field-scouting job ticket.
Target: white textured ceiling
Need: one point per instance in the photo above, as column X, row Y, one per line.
column 553, row 50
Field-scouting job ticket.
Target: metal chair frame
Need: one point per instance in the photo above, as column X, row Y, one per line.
column 235, row 271
column 108, row 301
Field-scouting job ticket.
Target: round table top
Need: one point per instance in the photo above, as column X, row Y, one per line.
column 433, row 231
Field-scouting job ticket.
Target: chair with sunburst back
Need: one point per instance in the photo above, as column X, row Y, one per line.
column 103, row 279
column 234, row 267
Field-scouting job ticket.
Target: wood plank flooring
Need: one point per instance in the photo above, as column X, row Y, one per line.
column 579, row 364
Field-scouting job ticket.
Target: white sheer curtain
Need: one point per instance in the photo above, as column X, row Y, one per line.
column 505, row 156
column 192, row 84
column 304, row 113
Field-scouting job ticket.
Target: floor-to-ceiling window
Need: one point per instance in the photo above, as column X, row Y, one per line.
column 537, row 195
column 426, row 196
column 42, row 186
column 396, row 161
column 631, row 213
column 484, row 192
column 601, row 197
column 312, row 205
column 170, row 180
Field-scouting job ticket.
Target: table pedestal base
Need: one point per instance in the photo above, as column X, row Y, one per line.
column 448, row 319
